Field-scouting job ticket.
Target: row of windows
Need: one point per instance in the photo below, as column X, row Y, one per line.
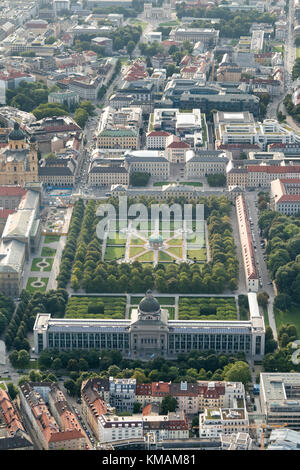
column 217, row 342
column 88, row 340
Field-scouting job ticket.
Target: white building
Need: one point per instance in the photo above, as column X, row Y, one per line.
column 153, row 36
column 217, row 421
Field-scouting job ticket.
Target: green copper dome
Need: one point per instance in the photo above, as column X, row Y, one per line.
column 149, row 304
column 16, row 134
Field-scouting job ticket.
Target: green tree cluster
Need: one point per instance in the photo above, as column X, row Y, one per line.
column 27, row 96
column 53, row 301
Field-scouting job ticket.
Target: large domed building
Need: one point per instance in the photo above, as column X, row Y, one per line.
column 18, row 160
column 150, row 333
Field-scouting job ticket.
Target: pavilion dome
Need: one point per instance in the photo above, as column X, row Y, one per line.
column 156, row 239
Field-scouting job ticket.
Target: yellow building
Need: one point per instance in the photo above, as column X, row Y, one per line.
column 19, row 160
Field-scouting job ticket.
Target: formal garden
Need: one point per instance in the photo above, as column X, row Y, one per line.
column 207, row 308
column 96, row 307
column 166, row 263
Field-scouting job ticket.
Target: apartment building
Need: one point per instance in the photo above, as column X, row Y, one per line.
column 280, row 398
column 51, row 436
column 86, row 90
column 12, row 433
column 216, row 421
column 250, row 267
column 122, row 393
column 95, row 399
column 285, row 196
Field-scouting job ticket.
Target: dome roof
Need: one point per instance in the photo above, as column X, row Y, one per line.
column 16, row 134
column 156, row 239
column 149, row 304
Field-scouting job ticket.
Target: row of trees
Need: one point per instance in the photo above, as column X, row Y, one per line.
column 283, row 248
column 7, row 308
column 233, row 24
column 188, row 367
column 70, row 247
column 291, row 109
column 53, row 301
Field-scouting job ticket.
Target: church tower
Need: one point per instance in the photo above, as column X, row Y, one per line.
column 33, row 159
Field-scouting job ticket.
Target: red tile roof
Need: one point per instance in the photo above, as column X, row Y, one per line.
column 158, row 134
column 12, row 191
column 4, row 213
column 182, row 145
column 273, row 169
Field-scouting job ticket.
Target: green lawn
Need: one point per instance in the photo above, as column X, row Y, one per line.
column 146, row 257
column 207, row 308
column 200, row 255
column 137, row 241
column 175, row 242
column 266, row 317
column 114, row 252
column 116, row 239
column 47, row 251
column 135, row 250
column 114, row 307
column 162, row 256
column 176, row 250
column 35, row 261
column 33, row 289
column 170, row 23
column 291, row 316
column 51, row 238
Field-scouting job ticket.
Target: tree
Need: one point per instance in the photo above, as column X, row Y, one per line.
column 81, row 116
column 168, row 403
column 70, row 385
column 137, row 407
column 56, row 364
column 13, row 358
column 23, row 359
column 238, row 372
column 270, row 343
column 263, row 298
column 282, row 302
column 130, row 47
column 12, row 390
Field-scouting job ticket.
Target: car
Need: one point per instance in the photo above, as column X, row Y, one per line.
column 6, row 372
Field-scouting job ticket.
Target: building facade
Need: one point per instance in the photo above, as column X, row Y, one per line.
column 149, row 332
